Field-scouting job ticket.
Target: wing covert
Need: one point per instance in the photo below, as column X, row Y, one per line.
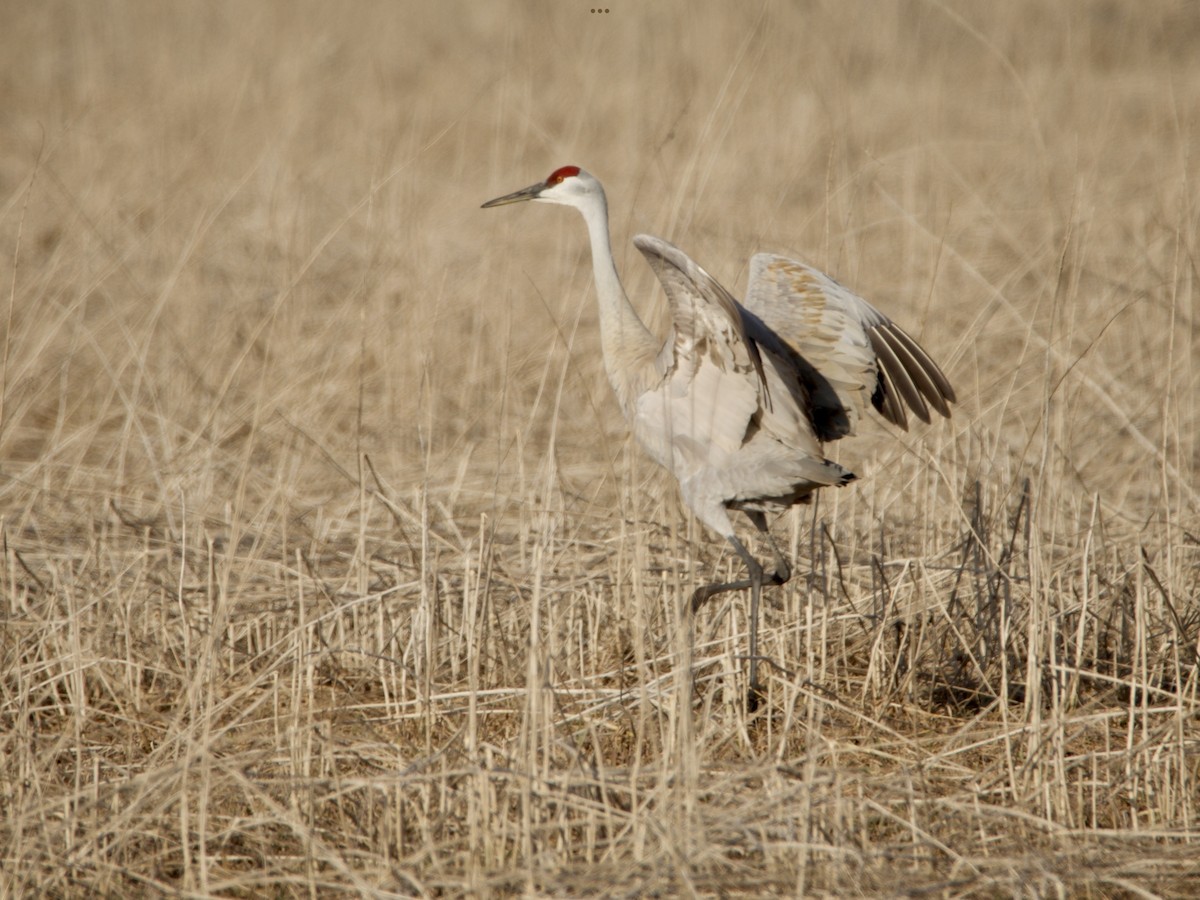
column 707, row 321
column 851, row 353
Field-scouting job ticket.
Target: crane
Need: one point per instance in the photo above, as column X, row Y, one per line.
column 738, row 400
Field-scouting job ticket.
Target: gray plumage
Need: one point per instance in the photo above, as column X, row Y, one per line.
column 739, row 398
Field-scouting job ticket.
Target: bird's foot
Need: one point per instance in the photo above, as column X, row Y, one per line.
column 755, row 697
column 706, row 592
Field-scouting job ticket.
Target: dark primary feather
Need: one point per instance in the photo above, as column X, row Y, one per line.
column 861, row 354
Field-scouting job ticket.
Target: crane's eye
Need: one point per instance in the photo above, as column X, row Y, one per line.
column 558, row 176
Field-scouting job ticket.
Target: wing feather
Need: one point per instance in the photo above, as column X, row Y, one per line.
column 898, row 374
column 730, row 418
column 888, row 401
column 705, row 316
column 714, row 385
column 937, row 389
column 854, row 353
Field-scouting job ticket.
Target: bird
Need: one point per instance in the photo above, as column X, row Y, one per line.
column 738, row 399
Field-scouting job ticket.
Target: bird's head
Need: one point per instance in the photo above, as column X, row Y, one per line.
column 569, row 186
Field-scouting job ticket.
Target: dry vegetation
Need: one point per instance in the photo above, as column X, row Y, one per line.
column 328, row 567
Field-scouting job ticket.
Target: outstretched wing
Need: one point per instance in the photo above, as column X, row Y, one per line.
column 713, row 379
column 849, row 351
column 725, row 379
column 706, row 319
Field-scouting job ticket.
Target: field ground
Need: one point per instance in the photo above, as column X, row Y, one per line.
column 329, row 568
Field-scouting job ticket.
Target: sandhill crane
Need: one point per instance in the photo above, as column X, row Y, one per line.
column 738, row 399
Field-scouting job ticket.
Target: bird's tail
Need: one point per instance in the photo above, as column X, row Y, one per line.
column 823, row 472
column 846, row 475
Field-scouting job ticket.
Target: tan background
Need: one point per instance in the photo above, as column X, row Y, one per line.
column 329, row 567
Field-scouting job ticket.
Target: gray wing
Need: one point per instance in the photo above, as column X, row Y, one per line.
column 848, row 352
column 705, row 317
column 713, row 382
column 724, row 378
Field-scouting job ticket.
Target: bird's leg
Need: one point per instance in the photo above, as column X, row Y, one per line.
column 754, row 582
column 783, row 571
column 706, row 592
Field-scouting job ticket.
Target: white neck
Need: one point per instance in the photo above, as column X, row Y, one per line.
column 629, row 347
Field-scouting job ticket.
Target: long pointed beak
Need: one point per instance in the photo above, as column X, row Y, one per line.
column 517, row 196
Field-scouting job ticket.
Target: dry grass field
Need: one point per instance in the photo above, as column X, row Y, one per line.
column 329, row 568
